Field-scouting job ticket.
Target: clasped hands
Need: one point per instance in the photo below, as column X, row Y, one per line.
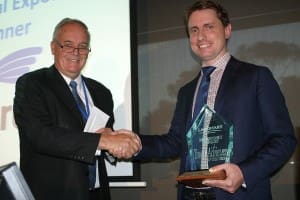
column 121, row 143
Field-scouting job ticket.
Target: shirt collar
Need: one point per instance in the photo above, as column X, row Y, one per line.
column 222, row 61
column 78, row 80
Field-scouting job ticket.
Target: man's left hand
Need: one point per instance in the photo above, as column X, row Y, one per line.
column 233, row 181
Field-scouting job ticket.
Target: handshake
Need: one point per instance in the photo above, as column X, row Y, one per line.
column 121, row 143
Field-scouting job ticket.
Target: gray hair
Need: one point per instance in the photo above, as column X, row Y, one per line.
column 70, row 21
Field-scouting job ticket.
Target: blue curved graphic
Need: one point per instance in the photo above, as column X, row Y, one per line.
column 17, row 63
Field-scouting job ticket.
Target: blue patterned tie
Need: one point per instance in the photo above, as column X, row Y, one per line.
column 203, row 89
column 200, row 102
column 78, row 100
column 81, row 107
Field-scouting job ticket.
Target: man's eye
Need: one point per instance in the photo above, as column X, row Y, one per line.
column 68, row 46
column 194, row 30
column 209, row 27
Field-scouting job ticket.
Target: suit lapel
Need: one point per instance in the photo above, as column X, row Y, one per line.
column 62, row 92
column 91, row 90
column 225, row 95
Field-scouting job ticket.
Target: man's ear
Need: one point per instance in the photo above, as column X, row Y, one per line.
column 228, row 31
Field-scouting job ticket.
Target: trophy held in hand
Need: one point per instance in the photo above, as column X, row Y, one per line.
column 210, row 142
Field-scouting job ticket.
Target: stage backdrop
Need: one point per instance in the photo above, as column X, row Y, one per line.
column 26, row 29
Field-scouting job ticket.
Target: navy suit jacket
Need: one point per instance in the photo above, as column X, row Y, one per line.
column 250, row 99
column 54, row 151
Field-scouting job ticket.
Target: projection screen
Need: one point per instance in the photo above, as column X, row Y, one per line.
column 25, row 33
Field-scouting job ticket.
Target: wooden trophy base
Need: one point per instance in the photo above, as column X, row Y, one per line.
column 195, row 178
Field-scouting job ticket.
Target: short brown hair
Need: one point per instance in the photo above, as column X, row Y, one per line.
column 207, row 4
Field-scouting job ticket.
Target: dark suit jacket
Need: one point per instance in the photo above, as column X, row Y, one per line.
column 54, row 151
column 250, row 99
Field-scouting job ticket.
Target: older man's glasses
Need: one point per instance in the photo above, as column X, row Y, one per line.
column 67, row 48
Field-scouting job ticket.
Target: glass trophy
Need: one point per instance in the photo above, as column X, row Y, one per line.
column 210, row 142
